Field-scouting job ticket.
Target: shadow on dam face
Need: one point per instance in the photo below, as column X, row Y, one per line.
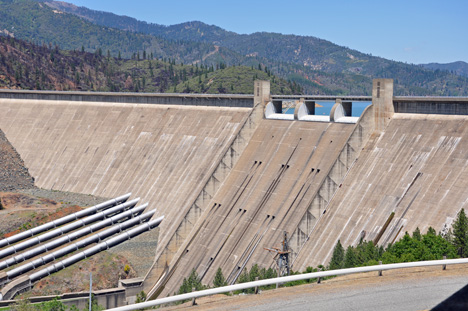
column 163, row 153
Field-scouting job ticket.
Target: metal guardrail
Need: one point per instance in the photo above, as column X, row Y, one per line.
column 322, row 97
column 298, row 277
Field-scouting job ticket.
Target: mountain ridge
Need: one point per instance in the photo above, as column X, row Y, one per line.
column 316, row 56
column 24, row 65
column 458, row 67
column 318, row 65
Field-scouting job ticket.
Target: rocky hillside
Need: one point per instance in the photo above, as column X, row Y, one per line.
column 13, row 174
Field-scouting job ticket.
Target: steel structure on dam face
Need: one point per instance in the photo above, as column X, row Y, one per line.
column 231, row 181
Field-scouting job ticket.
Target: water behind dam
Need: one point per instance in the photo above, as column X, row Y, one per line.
column 324, row 108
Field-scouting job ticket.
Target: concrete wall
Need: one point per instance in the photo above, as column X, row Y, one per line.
column 447, row 106
column 257, row 204
column 170, row 244
column 268, row 191
column 164, row 154
column 231, row 183
column 333, row 181
column 111, row 298
column 417, row 169
column 382, row 100
column 221, row 100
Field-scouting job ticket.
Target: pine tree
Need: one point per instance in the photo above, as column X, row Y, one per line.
column 337, row 259
column 460, row 235
column 350, row 259
column 254, row 272
column 219, row 279
column 417, row 234
column 193, row 281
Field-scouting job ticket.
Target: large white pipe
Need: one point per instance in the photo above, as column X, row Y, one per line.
column 284, row 279
column 9, row 293
column 67, row 228
column 71, row 237
column 75, row 246
column 58, row 222
column 96, row 249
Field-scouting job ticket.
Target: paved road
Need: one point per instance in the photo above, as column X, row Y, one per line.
column 406, row 289
column 407, row 296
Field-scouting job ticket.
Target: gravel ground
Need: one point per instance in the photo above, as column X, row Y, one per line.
column 70, row 198
column 139, row 251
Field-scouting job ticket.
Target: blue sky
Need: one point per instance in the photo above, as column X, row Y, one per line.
column 411, row 31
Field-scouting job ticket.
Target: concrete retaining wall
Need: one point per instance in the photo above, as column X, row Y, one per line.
column 267, row 192
column 334, row 178
column 110, row 298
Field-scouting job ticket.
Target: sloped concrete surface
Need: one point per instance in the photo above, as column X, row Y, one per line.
column 268, row 191
column 159, row 152
column 417, row 168
column 163, row 153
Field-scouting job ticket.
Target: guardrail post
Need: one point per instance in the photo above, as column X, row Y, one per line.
column 380, row 271
column 256, row 287
column 444, row 266
column 291, row 278
column 277, row 284
column 194, row 303
column 319, row 278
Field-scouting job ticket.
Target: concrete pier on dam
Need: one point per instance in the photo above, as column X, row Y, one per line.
column 231, row 173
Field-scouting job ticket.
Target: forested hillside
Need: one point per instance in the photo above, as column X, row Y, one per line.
column 459, row 68
column 24, row 65
column 317, row 66
column 36, row 22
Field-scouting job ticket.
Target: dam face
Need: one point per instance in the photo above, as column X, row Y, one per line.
column 417, row 168
column 105, row 149
column 230, row 181
column 164, row 154
column 273, row 184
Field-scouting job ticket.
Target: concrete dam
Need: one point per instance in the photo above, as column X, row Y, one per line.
column 231, row 174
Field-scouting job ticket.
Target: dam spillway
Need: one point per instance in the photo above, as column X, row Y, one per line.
column 269, row 190
column 230, row 181
column 416, row 169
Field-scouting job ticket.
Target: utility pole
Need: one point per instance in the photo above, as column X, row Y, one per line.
column 281, row 256
column 90, row 289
